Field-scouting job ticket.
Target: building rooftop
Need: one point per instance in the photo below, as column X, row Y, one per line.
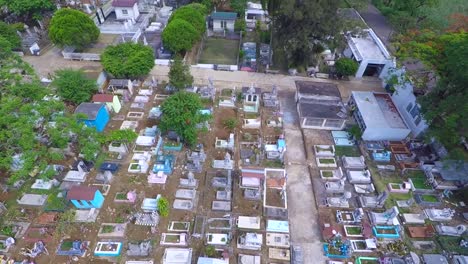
column 378, row 110
column 81, row 193
column 224, row 16
column 103, row 98
column 253, row 172
column 124, row 3
column 452, row 170
column 367, row 46
column 89, row 109
column 321, row 109
column 434, row 259
column 317, row 89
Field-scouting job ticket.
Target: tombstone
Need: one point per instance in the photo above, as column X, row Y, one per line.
column 190, row 182
column 139, row 249
column 252, row 194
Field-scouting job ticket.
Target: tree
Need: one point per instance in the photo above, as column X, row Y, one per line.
column 69, row 27
column 181, row 113
column 238, row 6
column 445, row 106
column 5, row 48
column 179, row 36
column 128, row 60
column 179, row 74
column 28, row 8
column 73, row 86
column 346, row 66
column 9, row 33
column 201, row 7
column 192, row 15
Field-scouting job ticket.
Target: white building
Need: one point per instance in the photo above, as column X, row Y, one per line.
column 371, row 54
column 377, row 116
column 319, row 106
column 254, row 13
column 126, row 9
column 222, row 21
column 405, row 100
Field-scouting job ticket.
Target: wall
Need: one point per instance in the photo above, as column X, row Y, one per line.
column 217, row 25
column 373, row 133
column 102, row 119
column 132, row 12
column 98, row 200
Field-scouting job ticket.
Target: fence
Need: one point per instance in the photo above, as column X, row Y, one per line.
column 81, row 56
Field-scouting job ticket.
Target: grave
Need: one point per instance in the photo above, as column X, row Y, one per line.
column 138, row 106
column 139, row 249
column 389, row 217
column 217, row 239
column 331, row 175
column 277, row 226
column 147, row 92
column 440, row 215
column 270, row 99
column 335, row 187
column 249, row 259
column 207, row 92
column 252, row 123
column 456, row 231
column 185, row 194
column 174, row 239
column 367, row 245
column 122, row 197
column 86, row 216
column 147, row 219
column 326, row 162
column 248, row 222
column 112, row 230
column 425, row 231
column 353, row 231
column 324, row 150
column 190, row 182
column 32, row 200
column 354, row 163
column 182, row 204
column 72, row 248
column 276, row 151
column 390, row 232
column 404, row 187
column 279, row 253
column 221, row 206
column 405, row 203
column 104, row 177
column 160, row 97
column 360, row 177
column 278, row 240
column 224, row 223
column 251, row 241
column 428, row 200
column 150, row 204
column 108, row 249
column 253, row 194
column 164, row 163
column 43, row 184
column 198, row 227
column 132, row 125
column 135, row 115
column 251, row 97
column 177, row 256
column 413, row 218
column 349, row 217
column 34, row 234
column 157, row 178
column 226, row 100
column 103, row 188
column 341, row 202
column 364, row 188
column 75, row 176
column 373, row 201
column 225, row 144
column 155, row 113
column 176, row 226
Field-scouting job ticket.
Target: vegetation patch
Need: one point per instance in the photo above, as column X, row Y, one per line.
column 219, row 51
column 350, row 151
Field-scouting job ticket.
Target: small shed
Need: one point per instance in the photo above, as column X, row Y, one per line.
column 126, row 9
column 112, row 101
column 223, row 21
column 96, row 115
column 85, row 197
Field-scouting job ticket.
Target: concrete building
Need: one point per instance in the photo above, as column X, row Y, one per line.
column 404, row 98
column 371, row 54
column 83, row 197
column 221, row 21
column 126, row 9
column 112, row 101
column 254, row 13
column 377, row 116
column 96, row 115
column 319, row 106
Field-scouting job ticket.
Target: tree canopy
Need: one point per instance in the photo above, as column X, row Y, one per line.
column 128, row 60
column 28, row 8
column 192, row 15
column 346, row 66
column 73, row 86
column 200, row 7
column 9, row 33
column 179, row 74
column 69, row 27
column 179, row 36
column 181, row 113
column 445, row 106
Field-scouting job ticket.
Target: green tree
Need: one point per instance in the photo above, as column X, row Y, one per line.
column 200, row 7
column 9, row 33
column 179, row 74
column 445, row 106
column 179, row 36
column 128, row 60
column 122, row 135
column 69, row 27
column 5, row 48
column 181, row 113
column 73, row 86
column 28, row 8
column 190, row 15
column 239, row 6
column 346, row 66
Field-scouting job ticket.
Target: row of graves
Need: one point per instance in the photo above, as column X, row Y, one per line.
column 389, row 203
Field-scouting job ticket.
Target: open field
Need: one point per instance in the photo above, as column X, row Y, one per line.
column 219, row 51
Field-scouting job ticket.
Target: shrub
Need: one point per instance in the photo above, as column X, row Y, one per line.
column 230, row 123
column 163, row 207
column 346, row 66
column 128, row 60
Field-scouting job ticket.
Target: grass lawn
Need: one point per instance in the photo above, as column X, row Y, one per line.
column 353, row 230
column 420, row 183
column 103, row 41
column 415, row 174
column 429, row 198
column 347, row 151
column 327, row 161
column 327, row 174
column 121, row 196
column 107, row 229
column 452, row 244
column 219, row 51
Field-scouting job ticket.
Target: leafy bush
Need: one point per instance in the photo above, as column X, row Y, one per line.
column 128, row 60
column 179, row 36
column 191, row 15
column 239, row 25
column 346, row 66
column 230, row 123
column 69, row 27
column 73, row 86
column 210, row 251
column 163, row 207
column 356, row 132
column 9, row 33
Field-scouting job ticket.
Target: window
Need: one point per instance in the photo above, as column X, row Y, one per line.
column 223, row 23
column 408, row 108
column 415, row 111
column 417, row 120
column 124, row 12
column 316, row 122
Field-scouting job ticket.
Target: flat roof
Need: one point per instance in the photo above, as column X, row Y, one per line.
column 321, row 109
column 367, row 45
column 378, row 110
column 318, row 88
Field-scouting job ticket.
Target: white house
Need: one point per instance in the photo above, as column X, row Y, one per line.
column 377, row 116
column 126, row 9
column 221, row 21
column 319, row 106
column 404, row 98
column 254, row 13
column 371, row 54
